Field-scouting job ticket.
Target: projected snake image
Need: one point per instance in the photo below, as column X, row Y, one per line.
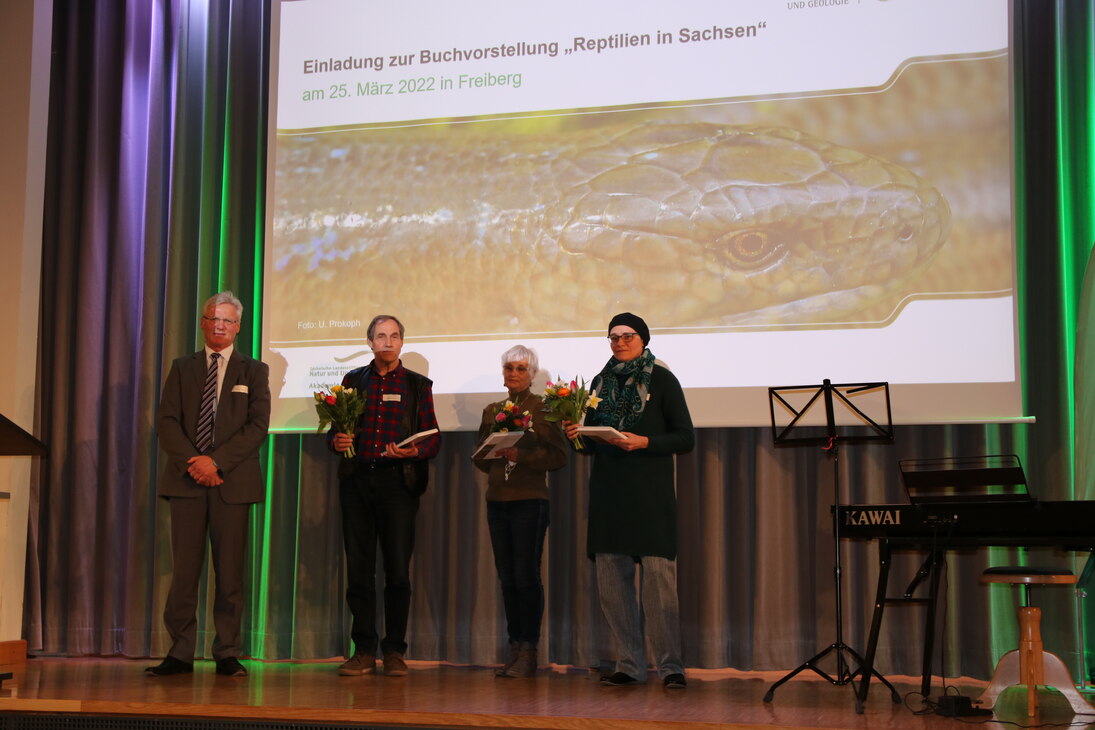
column 498, row 229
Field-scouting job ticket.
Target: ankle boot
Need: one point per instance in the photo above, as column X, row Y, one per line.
column 514, row 649
column 525, row 666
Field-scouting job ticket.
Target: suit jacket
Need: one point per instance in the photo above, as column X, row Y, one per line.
column 243, row 417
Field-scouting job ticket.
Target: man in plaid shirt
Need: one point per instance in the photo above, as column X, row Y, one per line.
column 379, row 491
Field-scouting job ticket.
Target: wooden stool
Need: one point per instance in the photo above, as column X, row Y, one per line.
column 1030, row 664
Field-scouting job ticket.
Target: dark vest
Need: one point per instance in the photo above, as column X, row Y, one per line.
column 416, row 472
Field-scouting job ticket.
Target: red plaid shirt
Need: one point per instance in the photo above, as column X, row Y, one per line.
column 382, row 422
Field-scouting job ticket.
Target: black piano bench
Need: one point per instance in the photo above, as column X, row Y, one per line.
column 1030, row 664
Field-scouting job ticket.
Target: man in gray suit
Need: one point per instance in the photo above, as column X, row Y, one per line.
column 213, row 417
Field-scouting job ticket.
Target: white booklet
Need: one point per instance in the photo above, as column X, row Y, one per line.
column 604, row 433
column 416, row 438
column 495, row 442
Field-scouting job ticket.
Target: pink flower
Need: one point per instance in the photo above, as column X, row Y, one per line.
column 500, row 417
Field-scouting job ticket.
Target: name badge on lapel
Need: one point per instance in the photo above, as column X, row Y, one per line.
column 393, row 397
column 239, row 388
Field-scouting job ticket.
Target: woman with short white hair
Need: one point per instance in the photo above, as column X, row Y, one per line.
column 517, row 504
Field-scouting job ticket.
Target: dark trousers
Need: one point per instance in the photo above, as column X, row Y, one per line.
column 376, row 507
column 517, row 532
column 195, row 520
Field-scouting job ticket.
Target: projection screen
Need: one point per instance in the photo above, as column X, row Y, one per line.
column 786, row 191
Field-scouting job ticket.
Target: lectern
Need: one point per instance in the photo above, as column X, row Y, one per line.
column 14, row 441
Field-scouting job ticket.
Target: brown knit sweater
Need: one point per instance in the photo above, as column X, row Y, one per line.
column 539, row 451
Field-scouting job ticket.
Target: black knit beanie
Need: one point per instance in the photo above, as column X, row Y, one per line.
column 633, row 321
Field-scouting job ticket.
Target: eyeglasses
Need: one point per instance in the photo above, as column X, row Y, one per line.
column 627, row 337
column 220, row 320
column 515, row 368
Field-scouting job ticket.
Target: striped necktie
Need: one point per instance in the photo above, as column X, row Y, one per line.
column 209, row 406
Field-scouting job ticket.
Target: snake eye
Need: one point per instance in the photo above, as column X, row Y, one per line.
column 750, row 249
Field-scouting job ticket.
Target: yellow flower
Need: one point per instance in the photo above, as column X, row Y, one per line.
column 336, row 388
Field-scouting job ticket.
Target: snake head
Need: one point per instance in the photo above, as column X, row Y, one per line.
column 745, row 219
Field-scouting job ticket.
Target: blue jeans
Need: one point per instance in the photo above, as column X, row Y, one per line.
column 517, row 532
column 660, row 615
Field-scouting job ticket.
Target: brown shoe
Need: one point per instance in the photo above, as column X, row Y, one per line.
column 394, row 666
column 514, row 647
column 525, row 666
column 357, row 665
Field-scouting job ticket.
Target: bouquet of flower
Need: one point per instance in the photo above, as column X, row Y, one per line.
column 509, row 417
column 341, row 407
column 565, row 401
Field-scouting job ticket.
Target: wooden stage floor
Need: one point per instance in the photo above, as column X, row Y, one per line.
column 449, row 696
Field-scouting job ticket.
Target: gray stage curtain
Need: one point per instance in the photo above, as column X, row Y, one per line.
column 154, row 201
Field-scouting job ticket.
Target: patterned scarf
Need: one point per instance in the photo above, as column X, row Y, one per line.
column 621, row 407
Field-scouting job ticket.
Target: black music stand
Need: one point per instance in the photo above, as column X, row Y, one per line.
column 807, row 427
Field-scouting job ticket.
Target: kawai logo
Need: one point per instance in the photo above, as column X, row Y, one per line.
column 872, row 517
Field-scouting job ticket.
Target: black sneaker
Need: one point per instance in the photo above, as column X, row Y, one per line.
column 675, row 681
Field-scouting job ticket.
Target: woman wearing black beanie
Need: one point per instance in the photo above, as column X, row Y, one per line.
column 633, row 503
